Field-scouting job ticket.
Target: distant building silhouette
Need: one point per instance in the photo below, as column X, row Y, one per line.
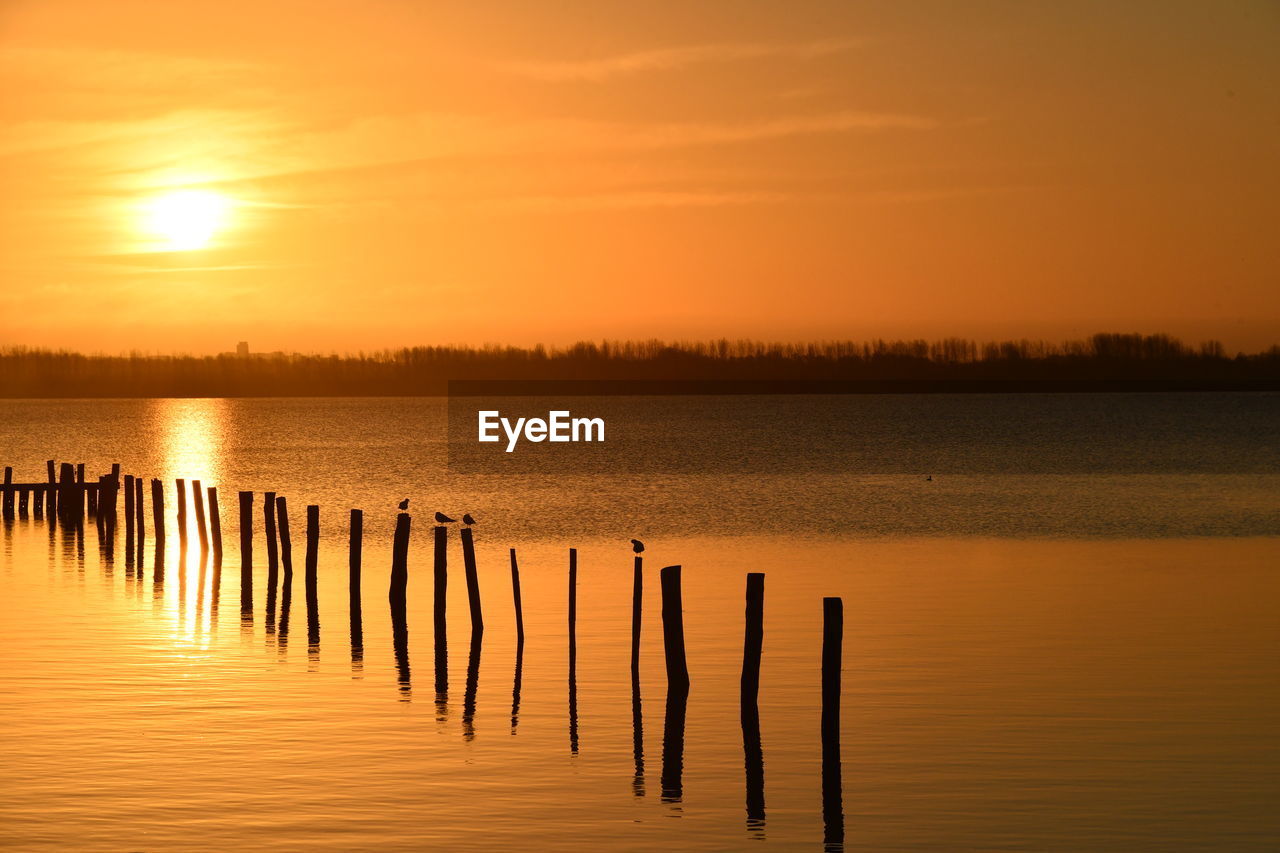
column 242, row 349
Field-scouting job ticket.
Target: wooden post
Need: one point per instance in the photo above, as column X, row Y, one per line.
column 673, row 629
column 573, row 651
column 215, row 523
column 354, row 548
column 515, row 591
column 38, row 501
column 24, row 502
column 128, row 506
column 51, row 491
column 754, row 640
column 441, row 572
column 832, row 643
column 157, row 510
column 101, row 518
column 246, row 550
column 80, row 492
column 753, row 753
column 313, row 548
column 637, row 596
column 115, row 489
column 66, row 492
column 8, row 493
column 138, row 517
column 573, row 609
column 269, row 526
column 398, row 592
column 473, row 580
column 197, row 496
column 832, row 640
column 182, row 513
column 286, row 546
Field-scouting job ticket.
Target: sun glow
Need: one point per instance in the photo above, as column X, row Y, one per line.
column 182, row 220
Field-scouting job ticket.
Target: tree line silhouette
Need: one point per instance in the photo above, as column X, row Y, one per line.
column 1100, row 361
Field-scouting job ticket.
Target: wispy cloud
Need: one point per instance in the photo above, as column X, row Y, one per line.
column 671, row 58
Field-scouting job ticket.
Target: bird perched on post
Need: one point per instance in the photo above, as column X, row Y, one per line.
column 441, row 518
column 467, row 519
column 404, row 504
column 637, row 546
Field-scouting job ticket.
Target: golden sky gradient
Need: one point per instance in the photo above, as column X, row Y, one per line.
column 355, row 175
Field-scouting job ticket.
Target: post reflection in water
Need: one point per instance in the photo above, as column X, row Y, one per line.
column 673, row 744
column 637, row 736
column 442, row 674
column 215, row 592
column 400, row 646
column 515, row 685
column 282, row 629
column 473, row 681
column 357, row 638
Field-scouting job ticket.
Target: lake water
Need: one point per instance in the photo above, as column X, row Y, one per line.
column 1065, row 640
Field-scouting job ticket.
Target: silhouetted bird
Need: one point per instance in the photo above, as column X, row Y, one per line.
column 637, row 546
column 404, row 504
column 441, row 518
column 467, row 519
column 929, row 479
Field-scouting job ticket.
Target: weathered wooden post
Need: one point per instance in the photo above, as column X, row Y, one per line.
column 51, row 491
column 573, row 650
column 473, row 580
column 441, row 584
column 8, row 503
column 182, row 513
column 572, row 607
column 673, row 629
column 66, row 493
column 354, row 547
column 832, row 643
column 138, row 516
column 311, row 571
column 269, row 526
column 397, row 595
column 286, row 546
column 100, row 519
column 753, row 752
column 197, row 497
column 157, row 510
column 215, row 523
column 8, row 493
column 637, row 596
column 398, row 592
column 128, row 507
column 753, row 642
column 246, row 554
column 114, row 491
column 313, row 549
column 515, row 592
column 80, row 491
column 24, row 497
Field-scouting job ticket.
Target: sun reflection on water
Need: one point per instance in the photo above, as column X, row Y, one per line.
column 193, row 431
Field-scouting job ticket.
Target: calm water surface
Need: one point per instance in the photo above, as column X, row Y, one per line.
column 1047, row 656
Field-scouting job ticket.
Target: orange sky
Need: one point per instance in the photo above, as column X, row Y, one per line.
column 399, row 173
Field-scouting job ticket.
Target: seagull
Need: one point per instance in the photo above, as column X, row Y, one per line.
column 637, row 546
column 467, row 519
column 441, row 518
column 404, row 504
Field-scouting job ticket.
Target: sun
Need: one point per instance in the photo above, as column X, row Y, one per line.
column 182, row 220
